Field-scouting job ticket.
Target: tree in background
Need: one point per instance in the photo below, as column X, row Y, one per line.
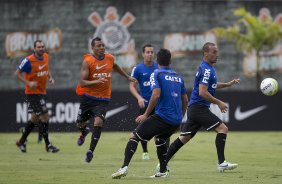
column 253, row 34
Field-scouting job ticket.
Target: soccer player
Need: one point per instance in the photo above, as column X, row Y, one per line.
column 169, row 99
column 199, row 114
column 36, row 73
column 94, row 89
column 142, row 72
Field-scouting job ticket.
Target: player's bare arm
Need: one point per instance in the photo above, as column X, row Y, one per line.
column 203, row 92
column 133, row 90
column 156, row 93
column 84, row 76
column 227, row 84
column 31, row 84
column 123, row 73
column 50, row 78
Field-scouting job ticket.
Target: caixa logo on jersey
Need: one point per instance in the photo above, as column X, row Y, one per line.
column 115, row 35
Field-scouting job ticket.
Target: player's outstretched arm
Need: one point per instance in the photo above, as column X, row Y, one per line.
column 227, row 84
column 50, row 78
column 133, row 90
column 204, row 93
column 123, row 73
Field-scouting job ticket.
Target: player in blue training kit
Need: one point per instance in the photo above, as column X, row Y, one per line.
column 169, row 99
column 142, row 72
column 199, row 114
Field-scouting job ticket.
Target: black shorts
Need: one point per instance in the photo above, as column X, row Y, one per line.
column 154, row 126
column 36, row 104
column 91, row 108
column 199, row 116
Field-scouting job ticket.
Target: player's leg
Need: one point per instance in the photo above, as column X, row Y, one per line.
column 42, row 112
column 211, row 122
column 21, row 143
column 220, row 142
column 32, row 105
column 188, row 131
column 84, row 130
column 84, row 114
column 129, row 151
column 96, row 133
column 184, row 137
column 40, row 129
column 45, row 133
column 145, row 154
column 99, row 110
column 144, row 132
column 161, row 146
column 144, row 144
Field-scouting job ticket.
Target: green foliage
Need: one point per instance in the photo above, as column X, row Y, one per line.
column 251, row 33
column 257, row 153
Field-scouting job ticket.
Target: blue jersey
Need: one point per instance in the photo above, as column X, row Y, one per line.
column 142, row 73
column 169, row 105
column 206, row 75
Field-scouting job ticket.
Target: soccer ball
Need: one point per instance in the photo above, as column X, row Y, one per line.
column 269, row 86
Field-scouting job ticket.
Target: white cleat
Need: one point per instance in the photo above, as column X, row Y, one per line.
column 145, row 156
column 122, row 172
column 161, row 175
column 158, row 168
column 226, row 166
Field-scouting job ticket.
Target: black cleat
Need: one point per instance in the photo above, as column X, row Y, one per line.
column 52, row 149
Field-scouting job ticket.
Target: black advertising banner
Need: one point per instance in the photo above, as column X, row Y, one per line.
column 248, row 111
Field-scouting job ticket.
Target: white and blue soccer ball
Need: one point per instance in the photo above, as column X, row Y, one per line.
column 269, row 86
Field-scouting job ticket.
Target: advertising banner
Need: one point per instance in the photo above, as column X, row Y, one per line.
column 248, row 111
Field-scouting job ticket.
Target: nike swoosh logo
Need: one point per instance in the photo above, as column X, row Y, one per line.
column 115, row 111
column 244, row 115
column 41, row 67
column 99, row 67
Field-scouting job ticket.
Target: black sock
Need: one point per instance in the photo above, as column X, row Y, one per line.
column 83, row 130
column 129, row 151
column 220, row 145
column 167, row 143
column 173, row 148
column 144, row 146
column 45, row 133
column 28, row 128
column 40, row 131
column 95, row 137
column 161, row 152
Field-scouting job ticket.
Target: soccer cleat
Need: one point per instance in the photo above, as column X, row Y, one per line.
column 145, row 156
column 122, row 172
column 161, row 175
column 81, row 138
column 52, row 149
column 21, row 146
column 89, row 156
column 226, row 166
column 158, row 168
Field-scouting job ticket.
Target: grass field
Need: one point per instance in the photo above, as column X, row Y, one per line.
column 259, row 155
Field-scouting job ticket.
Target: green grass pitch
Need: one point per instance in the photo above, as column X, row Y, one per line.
column 259, row 155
